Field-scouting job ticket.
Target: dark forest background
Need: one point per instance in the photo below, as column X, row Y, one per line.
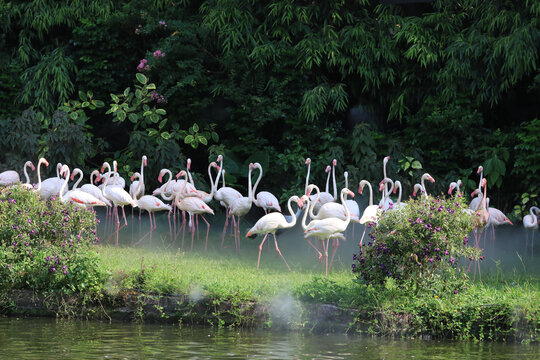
column 441, row 86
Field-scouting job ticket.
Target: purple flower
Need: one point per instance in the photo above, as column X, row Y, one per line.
column 16, row 227
column 163, row 23
column 159, row 54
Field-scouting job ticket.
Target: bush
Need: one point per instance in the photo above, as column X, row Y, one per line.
column 47, row 245
column 419, row 245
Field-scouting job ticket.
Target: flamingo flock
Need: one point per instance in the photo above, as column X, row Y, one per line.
column 329, row 219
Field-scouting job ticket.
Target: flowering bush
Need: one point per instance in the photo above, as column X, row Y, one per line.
column 419, row 244
column 47, row 245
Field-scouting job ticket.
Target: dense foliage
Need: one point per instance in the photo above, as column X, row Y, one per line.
column 280, row 81
column 47, row 245
column 419, row 245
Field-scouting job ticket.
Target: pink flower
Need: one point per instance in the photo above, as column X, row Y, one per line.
column 158, row 54
column 163, row 23
column 143, row 66
column 137, row 30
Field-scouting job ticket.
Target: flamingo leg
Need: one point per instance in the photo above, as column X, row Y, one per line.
column 316, row 248
column 363, row 234
column 335, row 246
column 207, row 231
column 326, row 257
column 279, row 252
column 260, row 249
column 192, row 227
column 225, row 226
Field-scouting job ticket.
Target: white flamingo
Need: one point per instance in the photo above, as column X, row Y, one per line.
column 422, row 186
column 476, row 200
column 264, row 199
column 27, row 184
column 118, row 196
column 93, row 189
column 329, row 226
column 51, row 186
column 455, row 185
column 530, row 222
column 371, row 212
column 79, row 198
column 9, row 177
column 225, row 195
column 270, row 223
column 386, row 202
column 240, row 207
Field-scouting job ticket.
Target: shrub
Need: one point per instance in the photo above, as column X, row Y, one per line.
column 47, row 245
column 418, row 245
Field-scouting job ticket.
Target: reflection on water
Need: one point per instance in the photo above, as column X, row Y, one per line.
column 47, row 338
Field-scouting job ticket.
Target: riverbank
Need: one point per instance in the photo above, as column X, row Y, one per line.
column 224, row 289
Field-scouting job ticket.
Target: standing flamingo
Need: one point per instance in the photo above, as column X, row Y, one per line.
column 240, row 207
column 530, row 222
column 118, row 196
column 151, row 204
column 329, row 226
column 476, row 201
column 371, row 212
column 41, row 161
column 481, row 219
column 264, row 199
column 386, row 202
column 270, row 223
column 225, row 195
column 194, row 206
column 51, row 186
column 27, row 184
column 398, row 204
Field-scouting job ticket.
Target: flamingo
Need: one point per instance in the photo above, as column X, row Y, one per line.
column 118, row 196
column 93, row 189
column 27, row 184
column 329, row 226
column 455, row 185
column 398, row 204
column 264, row 199
column 241, row 206
column 481, row 218
column 422, row 185
column 79, row 198
column 326, row 197
column 371, row 212
column 351, row 204
column 225, row 195
column 51, row 186
column 386, row 203
column 530, row 222
column 476, row 201
column 136, row 189
column 270, row 223
column 9, row 177
column 193, row 205
column 40, row 161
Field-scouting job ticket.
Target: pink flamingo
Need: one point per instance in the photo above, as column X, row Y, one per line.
column 530, row 222
column 240, row 207
column 455, row 185
column 225, row 195
column 79, row 198
column 481, row 219
column 270, row 223
column 193, row 205
column 385, row 202
column 371, row 212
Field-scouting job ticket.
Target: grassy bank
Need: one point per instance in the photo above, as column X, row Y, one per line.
column 502, row 307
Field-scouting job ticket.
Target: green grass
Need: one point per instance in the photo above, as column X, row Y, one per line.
column 222, row 274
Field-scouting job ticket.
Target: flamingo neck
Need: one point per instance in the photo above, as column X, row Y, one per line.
column 163, row 195
column 26, row 164
column 347, row 212
column 293, row 215
column 212, row 188
column 315, row 187
column 64, row 184
column 334, row 180
column 79, row 179
column 304, row 217
column 307, row 176
column 326, row 188
column 258, row 166
column 398, row 183
column 108, row 177
column 39, row 174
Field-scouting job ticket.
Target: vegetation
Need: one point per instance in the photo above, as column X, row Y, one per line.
column 355, row 81
column 47, row 246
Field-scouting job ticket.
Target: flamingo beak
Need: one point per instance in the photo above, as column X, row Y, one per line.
column 308, row 160
column 381, row 186
column 32, row 167
column 46, row 163
column 449, row 191
column 72, row 177
column 145, row 162
column 360, row 189
column 351, row 194
column 160, row 178
column 217, row 167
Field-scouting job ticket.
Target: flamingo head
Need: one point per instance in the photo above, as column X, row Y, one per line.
column 115, row 166
column 430, row 178
column 181, row 173
column 327, row 170
column 484, row 182
column 72, row 176
column 300, row 202
column 64, row 170
column 160, row 177
column 480, row 169
column 103, row 167
column 450, row 189
column 334, row 162
column 29, row 163
column 217, row 167
column 219, row 158
column 381, row 185
column 395, row 190
column 414, row 193
column 44, row 161
column 189, row 164
column 145, row 162
column 308, row 161
column 348, row 192
column 98, row 178
column 132, row 177
column 251, row 166
column 360, row 188
column 474, row 192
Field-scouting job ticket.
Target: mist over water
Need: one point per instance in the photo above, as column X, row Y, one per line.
column 510, row 251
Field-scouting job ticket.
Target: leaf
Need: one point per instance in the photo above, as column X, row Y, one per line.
column 161, row 111
column 162, row 123
column 188, row 139
column 416, row 165
column 141, row 78
column 154, row 118
column 126, row 92
column 166, row 135
column 133, row 118
column 74, row 115
column 98, row 103
column 138, row 94
column 215, row 136
column 152, row 132
column 115, row 98
column 85, row 104
column 90, row 94
column 151, row 86
column 82, row 95
column 203, row 140
column 195, row 127
column 121, row 115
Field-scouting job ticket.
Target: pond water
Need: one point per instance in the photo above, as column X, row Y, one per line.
column 61, row 339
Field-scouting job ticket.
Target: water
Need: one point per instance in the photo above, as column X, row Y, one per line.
column 59, row 339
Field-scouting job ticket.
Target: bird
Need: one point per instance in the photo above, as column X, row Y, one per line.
column 79, row 198
column 398, row 204
column 225, row 195
column 422, row 185
column 530, row 222
column 351, row 204
column 386, row 202
column 455, row 185
column 264, row 199
column 476, row 201
column 481, row 218
column 269, row 223
column 240, row 207
column 93, row 189
column 136, row 188
column 118, row 196
column 50, row 186
column 329, row 226
column 27, row 184
column 194, row 206
column 371, row 212
column 9, row 177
